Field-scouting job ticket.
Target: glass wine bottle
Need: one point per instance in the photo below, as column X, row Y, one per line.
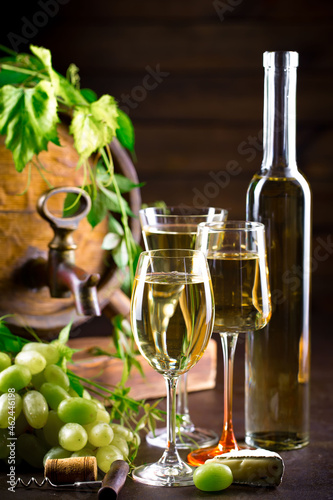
column 278, row 358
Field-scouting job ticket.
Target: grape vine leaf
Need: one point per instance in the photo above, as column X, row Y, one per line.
column 75, row 383
column 125, row 132
column 111, row 201
column 115, row 226
column 28, row 118
column 94, row 126
column 89, row 95
column 62, row 87
column 124, row 183
column 120, row 254
column 110, row 241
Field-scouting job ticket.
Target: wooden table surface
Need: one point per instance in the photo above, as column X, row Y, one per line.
column 308, row 472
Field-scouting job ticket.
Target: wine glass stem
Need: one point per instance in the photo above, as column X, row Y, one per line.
column 182, row 404
column 229, row 342
column 170, row 456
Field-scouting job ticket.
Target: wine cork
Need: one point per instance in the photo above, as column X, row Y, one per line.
column 70, row 470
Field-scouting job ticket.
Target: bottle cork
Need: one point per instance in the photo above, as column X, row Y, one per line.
column 71, row 470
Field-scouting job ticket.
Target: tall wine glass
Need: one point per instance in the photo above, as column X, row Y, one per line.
column 176, row 227
column 236, row 255
column 172, row 317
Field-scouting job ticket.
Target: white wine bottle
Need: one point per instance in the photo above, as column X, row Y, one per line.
column 277, row 368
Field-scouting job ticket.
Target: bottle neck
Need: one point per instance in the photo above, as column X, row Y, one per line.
column 279, row 142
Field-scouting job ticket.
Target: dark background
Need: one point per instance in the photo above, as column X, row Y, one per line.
column 203, row 108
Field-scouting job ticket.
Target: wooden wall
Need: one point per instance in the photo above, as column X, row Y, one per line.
column 200, row 115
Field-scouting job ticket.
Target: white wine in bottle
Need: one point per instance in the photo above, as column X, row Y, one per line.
column 278, row 357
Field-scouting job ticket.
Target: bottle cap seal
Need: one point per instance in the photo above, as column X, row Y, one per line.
column 280, row 59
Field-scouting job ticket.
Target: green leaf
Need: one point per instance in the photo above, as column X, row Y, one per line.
column 110, row 241
column 11, row 77
column 120, row 255
column 44, row 55
column 62, row 87
column 10, row 342
column 64, row 333
column 75, row 384
column 28, row 118
column 124, row 183
column 105, row 110
column 65, row 351
column 115, row 226
column 89, row 95
column 89, row 133
column 138, row 366
column 71, row 205
column 112, row 202
column 65, row 90
column 94, row 126
column 22, row 68
column 125, row 132
column 98, row 209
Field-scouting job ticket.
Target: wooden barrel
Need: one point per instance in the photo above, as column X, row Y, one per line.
column 24, row 235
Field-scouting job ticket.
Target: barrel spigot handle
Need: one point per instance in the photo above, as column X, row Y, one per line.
column 63, row 276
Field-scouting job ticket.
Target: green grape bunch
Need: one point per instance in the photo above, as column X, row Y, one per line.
column 52, row 414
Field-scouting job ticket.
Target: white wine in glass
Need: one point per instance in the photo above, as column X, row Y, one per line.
column 236, row 255
column 176, row 227
column 172, row 317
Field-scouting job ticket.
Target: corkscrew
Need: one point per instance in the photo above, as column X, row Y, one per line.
column 47, row 484
column 108, row 488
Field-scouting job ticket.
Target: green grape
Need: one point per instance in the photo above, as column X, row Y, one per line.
column 10, row 407
column 98, row 403
column 73, row 437
column 4, row 449
column 53, row 394
column 136, row 441
column 85, row 452
column 78, row 410
column 86, row 394
column 73, row 393
column 39, row 433
column 56, row 452
column 103, row 416
column 121, row 444
column 55, row 375
column 5, row 361
column 31, row 450
column 35, row 409
column 212, row 477
column 14, row 377
column 33, row 360
column 51, row 428
column 100, row 434
column 122, row 431
column 106, row 455
column 38, row 380
column 49, row 351
column 21, row 424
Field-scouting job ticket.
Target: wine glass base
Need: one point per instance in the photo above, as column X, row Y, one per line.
column 192, row 438
column 199, row 457
column 161, row 475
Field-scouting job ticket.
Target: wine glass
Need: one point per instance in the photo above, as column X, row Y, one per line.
column 172, row 317
column 176, row 227
column 236, row 255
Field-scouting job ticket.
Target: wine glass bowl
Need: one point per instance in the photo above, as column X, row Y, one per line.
column 176, row 227
column 172, row 317
column 236, row 256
